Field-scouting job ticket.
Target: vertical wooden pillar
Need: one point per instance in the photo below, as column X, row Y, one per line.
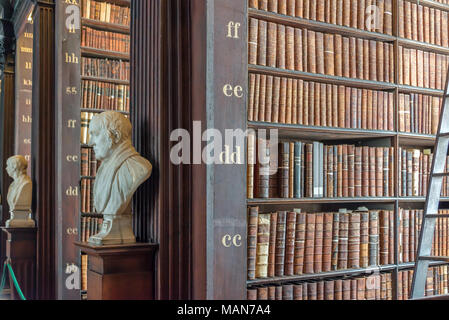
column 43, row 145
column 6, row 138
column 160, row 103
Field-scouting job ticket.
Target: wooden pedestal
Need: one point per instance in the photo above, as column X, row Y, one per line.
column 21, row 251
column 120, row 272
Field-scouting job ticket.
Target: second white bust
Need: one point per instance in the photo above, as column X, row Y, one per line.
column 19, row 193
column 121, row 172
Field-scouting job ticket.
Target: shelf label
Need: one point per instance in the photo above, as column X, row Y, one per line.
column 233, row 30
column 230, row 91
column 229, row 241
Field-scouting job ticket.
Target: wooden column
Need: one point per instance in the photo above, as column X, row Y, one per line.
column 43, row 145
column 160, row 102
column 6, row 138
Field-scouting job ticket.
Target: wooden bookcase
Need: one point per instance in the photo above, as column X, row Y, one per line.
column 394, row 138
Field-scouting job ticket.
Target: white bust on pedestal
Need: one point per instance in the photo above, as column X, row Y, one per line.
column 19, row 194
column 121, row 172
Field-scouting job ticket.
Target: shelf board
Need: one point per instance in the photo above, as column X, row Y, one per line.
column 431, row 4
column 323, row 275
column 116, row 81
column 413, row 44
column 418, row 199
column 101, row 53
column 359, row 83
column 416, row 139
column 411, row 89
column 297, row 22
column 320, row 200
column 106, row 26
column 101, row 110
column 87, row 177
column 320, row 133
column 91, row 214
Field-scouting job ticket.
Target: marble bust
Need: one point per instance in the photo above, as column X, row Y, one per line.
column 121, row 172
column 19, row 193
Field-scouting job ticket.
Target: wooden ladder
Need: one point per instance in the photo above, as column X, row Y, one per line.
column 432, row 202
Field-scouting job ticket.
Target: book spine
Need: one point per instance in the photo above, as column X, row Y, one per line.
column 373, row 237
column 354, row 241
column 309, row 244
column 300, row 239
column 290, row 243
column 280, row 243
column 253, row 214
column 263, row 238
column 272, row 245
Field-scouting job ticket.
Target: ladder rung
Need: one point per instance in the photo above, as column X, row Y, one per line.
column 434, row 258
column 433, row 216
column 442, row 174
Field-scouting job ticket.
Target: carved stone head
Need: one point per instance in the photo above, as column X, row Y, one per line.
column 108, row 130
column 16, row 166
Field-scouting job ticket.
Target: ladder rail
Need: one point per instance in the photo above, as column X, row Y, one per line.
column 427, row 231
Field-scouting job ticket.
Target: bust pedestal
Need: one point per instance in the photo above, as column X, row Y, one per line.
column 120, row 272
column 21, row 251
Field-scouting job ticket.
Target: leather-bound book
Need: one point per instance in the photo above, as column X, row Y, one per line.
column 343, row 239
column 373, row 246
column 300, row 102
column 262, row 169
column 305, row 111
column 372, row 171
column 345, row 174
column 309, row 170
column 438, row 27
column 370, row 288
column 346, row 61
column 420, row 63
column 283, row 170
column 409, row 168
column 353, row 285
column 388, row 17
column 280, row 243
column 289, row 101
column 335, row 171
column 320, row 117
column 346, row 289
column 290, row 48
column 354, row 241
column 263, row 238
column 282, row 6
column 291, row 10
column 364, row 237
column 271, row 44
column 380, row 61
column 435, row 115
column 298, row 57
column 287, row 292
column 406, row 66
column 281, row 46
column 290, row 243
column 300, row 239
column 312, row 291
column 341, row 106
column 408, row 19
column 391, row 119
column 329, row 56
column 353, row 109
column 262, row 293
column 415, row 172
column 380, row 110
column 366, row 60
column 297, row 292
column 405, row 235
column 334, row 110
column 254, row 4
column 319, row 52
column 311, row 54
column 373, row 60
column 338, row 289
column 262, row 98
column 411, row 247
column 387, row 63
column 263, row 5
column 385, row 173
column 353, row 60
column 273, row 5
column 383, row 236
column 318, row 246
column 359, row 59
column 273, row 189
column 255, row 111
column 375, row 110
column 251, row 294
column 401, row 18
column 278, row 292
column 346, row 13
column 444, row 29
column 253, row 216
column 339, row 171
column 276, row 98
column 413, row 66
column 271, row 293
column 357, row 171
column 361, row 287
column 338, row 55
column 262, row 44
column 335, row 240
column 251, row 98
column 330, row 172
column 365, row 171
column 283, row 100
column 268, row 99
column 327, row 242
column 272, row 245
column 305, row 291
column 351, row 169
column 329, row 289
column 432, row 68
column 320, row 290
column 309, row 244
column 297, row 176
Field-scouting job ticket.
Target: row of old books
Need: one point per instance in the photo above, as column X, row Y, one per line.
column 287, row 243
column 276, row 45
column 104, row 95
column 422, row 23
column 419, row 113
column 106, row 12
column 90, row 226
column 408, row 233
column 436, row 282
column 308, row 170
column 414, row 174
column 294, row 101
column 89, row 163
column 374, row 287
column 350, row 13
column 105, row 40
column 105, row 68
column 421, row 68
column 84, row 261
column 87, row 195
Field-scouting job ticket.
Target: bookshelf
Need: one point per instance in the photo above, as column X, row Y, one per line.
column 330, row 135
